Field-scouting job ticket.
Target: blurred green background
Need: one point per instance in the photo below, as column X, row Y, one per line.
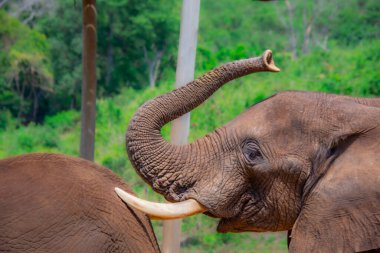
column 321, row 45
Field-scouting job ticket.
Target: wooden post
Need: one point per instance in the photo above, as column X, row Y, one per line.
column 180, row 127
column 88, row 110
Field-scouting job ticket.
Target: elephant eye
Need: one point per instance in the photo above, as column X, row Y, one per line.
column 251, row 151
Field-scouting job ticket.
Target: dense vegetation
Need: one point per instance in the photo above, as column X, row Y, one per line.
column 329, row 46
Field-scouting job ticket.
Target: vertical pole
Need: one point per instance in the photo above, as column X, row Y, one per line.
column 180, row 127
column 88, row 110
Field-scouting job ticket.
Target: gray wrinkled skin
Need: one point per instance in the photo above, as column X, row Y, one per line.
column 302, row 161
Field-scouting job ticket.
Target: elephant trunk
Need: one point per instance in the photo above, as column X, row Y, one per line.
column 162, row 164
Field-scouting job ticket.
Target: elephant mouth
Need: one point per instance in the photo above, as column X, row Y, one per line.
column 235, row 226
column 227, row 225
column 238, row 222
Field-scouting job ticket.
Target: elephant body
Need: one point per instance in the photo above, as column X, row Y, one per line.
column 57, row 203
column 302, row 161
column 342, row 211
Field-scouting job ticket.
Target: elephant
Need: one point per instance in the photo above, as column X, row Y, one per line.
column 301, row 161
column 58, row 203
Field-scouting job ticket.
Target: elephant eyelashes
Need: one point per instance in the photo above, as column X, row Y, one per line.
column 251, row 152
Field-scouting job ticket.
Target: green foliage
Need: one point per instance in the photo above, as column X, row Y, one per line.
column 137, row 42
column 63, row 28
column 347, row 63
column 126, row 29
column 135, row 33
column 341, row 70
column 6, row 120
column 25, row 73
column 352, row 72
column 63, row 121
column 363, row 22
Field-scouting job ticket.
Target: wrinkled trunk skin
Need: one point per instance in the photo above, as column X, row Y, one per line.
column 170, row 169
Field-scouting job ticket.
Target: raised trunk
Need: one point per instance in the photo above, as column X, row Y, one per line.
column 168, row 167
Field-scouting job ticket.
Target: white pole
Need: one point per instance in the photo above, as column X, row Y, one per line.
column 180, row 127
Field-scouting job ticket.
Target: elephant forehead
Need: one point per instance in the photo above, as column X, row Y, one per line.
column 280, row 133
column 253, row 121
column 264, row 121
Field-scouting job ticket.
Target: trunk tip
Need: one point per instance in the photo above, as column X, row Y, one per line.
column 269, row 62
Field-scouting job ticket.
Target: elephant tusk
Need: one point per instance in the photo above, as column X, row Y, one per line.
column 162, row 211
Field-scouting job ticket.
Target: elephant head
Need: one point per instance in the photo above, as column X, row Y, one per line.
column 295, row 160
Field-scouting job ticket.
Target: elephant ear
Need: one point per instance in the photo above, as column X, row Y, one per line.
column 341, row 212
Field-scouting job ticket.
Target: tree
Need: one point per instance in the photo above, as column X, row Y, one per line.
column 88, row 111
column 63, row 29
column 310, row 24
column 140, row 38
column 136, row 45
column 27, row 11
column 26, row 78
column 155, row 34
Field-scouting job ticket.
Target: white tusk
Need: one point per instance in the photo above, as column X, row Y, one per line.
column 162, row 211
